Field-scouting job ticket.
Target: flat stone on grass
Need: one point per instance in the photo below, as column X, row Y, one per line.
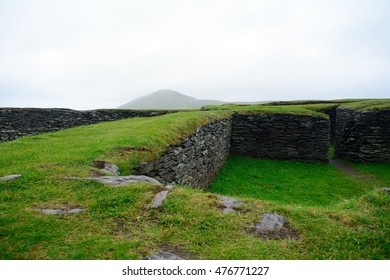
column 230, row 204
column 274, row 226
column 106, row 167
column 10, row 177
column 124, row 180
column 118, row 181
column 386, row 190
column 162, row 255
column 60, row 211
column 160, row 197
column 271, row 222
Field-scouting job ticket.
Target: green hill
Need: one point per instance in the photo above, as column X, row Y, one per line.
column 167, row 99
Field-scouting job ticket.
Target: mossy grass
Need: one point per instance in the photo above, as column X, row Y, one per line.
column 315, row 110
column 298, row 183
column 305, row 107
column 368, row 105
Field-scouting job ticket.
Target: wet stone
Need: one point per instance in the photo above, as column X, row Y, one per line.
column 60, row 211
column 107, row 167
column 160, row 197
column 271, row 222
column 162, row 255
column 229, row 203
column 118, row 181
column 274, row 226
column 10, row 177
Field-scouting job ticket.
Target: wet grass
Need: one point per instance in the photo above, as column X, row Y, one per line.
column 296, row 183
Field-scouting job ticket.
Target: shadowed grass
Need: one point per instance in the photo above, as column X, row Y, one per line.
column 298, row 183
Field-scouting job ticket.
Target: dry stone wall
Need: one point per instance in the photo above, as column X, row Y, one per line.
column 363, row 136
column 19, row 122
column 280, row 136
column 196, row 160
column 332, row 119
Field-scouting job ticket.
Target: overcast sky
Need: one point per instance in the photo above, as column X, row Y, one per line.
column 86, row 54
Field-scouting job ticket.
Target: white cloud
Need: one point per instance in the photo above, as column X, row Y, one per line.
column 93, row 54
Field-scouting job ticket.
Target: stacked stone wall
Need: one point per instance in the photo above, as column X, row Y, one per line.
column 363, row 136
column 281, row 136
column 332, row 119
column 19, row 122
column 196, row 160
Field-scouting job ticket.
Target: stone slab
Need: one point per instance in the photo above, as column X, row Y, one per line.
column 118, row 181
column 386, row 190
column 162, row 255
column 10, row 177
column 270, row 222
column 60, row 211
column 160, row 197
column 230, row 203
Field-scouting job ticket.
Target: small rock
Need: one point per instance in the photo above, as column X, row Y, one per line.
column 270, row 222
column 10, row 177
column 118, row 181
column 273, row 226
column 162, row 255
column 52, row 211
column 107, row 167
column 75, row 211
column 160, row 197
column 386, row 190
column 60, row 211
column 124, row 180
column 229, row 203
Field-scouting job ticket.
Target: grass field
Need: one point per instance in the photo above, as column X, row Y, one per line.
column 337, row 216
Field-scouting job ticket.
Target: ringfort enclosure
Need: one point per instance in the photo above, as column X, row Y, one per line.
column 284, row 180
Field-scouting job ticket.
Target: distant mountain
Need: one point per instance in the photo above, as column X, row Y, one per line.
column 167, row 99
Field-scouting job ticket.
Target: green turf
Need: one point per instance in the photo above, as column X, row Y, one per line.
column 306, row 107
column 307, row 110
column 370, row 105
column 337, row 216
column 298, row 183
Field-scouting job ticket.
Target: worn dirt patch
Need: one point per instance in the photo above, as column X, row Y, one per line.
column 159, row 188
column 98, row 164
column 343, row 167
column 125, row 151
column 348, row 169
column 120, row 228
column 284, row 233
column 94, row 173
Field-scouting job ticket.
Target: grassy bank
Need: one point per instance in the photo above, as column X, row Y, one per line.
column 125, row 142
